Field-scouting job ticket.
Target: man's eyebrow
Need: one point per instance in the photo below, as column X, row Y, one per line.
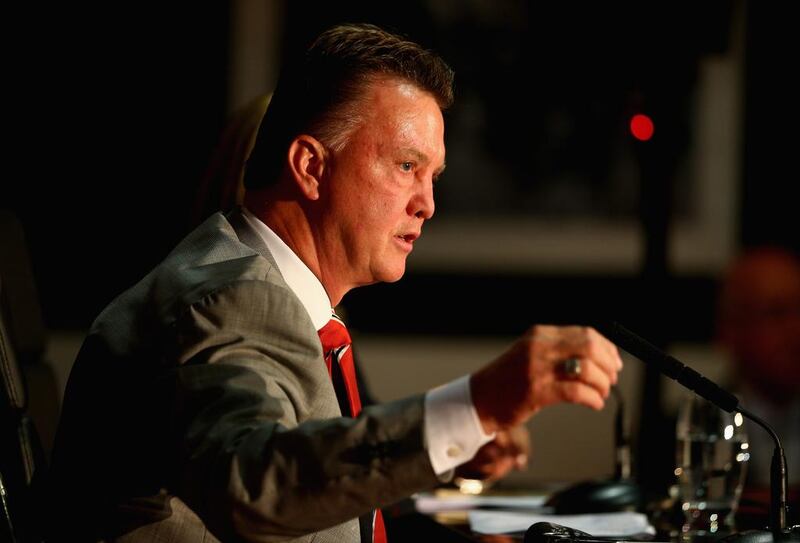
column 419, row 155
column 422, row 157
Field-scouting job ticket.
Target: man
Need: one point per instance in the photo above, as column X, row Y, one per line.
column 759, row 325
column 203, row 405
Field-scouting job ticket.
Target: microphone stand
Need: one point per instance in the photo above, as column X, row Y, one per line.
column 674, row 369
column 618, row 493
column 622, row 447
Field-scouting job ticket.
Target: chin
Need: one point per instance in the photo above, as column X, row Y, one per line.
column 391, row 275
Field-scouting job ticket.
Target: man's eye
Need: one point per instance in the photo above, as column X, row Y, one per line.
column 406, row 166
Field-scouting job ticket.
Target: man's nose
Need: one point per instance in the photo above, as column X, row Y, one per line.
column 421, row 204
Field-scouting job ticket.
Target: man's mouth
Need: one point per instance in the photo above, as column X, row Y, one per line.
column 409, row 238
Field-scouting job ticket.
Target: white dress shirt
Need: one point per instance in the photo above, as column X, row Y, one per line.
column 453, row 432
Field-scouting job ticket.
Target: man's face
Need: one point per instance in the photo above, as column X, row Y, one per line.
column 762, row 322
column 378, row 190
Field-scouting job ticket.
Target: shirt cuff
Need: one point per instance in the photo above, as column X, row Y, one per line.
column 453, row 430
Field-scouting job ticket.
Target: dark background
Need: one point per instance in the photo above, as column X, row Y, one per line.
column 114, row 112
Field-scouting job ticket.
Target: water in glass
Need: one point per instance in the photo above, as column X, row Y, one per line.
column 712, row 455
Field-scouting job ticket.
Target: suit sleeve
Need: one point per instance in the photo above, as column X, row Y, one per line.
column 256, row 460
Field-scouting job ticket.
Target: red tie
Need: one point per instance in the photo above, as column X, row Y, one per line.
column 336, row 347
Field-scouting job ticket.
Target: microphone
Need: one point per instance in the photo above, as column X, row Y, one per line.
column 670, row 366
column 689, row 378
column 549, row 532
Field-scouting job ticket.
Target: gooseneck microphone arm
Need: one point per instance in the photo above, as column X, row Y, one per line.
column 778, row 476
column 689, row 378
column 669, row 366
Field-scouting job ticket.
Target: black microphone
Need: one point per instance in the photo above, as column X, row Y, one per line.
column 669, row 366
column 689, row 378
column 549, row 532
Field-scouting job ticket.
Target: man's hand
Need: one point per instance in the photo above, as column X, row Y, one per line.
column 528, row 376
column 509, row 450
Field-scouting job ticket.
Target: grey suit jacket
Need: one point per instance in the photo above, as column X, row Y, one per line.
column 200, row 409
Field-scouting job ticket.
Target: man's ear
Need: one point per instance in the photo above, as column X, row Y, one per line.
column 307, row 160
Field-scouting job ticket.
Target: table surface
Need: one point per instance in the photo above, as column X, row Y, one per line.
column 406, row 524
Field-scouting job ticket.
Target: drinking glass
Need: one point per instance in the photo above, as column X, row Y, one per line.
column 712, row 455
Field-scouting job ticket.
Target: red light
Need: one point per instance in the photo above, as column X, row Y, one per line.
column 642, row 127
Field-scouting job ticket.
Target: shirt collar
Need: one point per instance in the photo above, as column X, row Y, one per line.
column 298, row 276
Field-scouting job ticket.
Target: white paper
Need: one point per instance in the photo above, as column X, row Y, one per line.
column 598, row 524
column 430, row 503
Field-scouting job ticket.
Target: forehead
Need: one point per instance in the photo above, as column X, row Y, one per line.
column 399, row 114
column 765, row 279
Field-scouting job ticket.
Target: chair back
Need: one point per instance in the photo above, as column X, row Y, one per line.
column 22, row 457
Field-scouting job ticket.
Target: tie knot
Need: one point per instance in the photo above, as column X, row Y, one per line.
column 334, row 335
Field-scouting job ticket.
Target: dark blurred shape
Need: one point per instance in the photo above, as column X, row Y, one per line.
column 25, row 323
column 22, row 458
column 596, row 497
column 26, row 330
column 221, row 187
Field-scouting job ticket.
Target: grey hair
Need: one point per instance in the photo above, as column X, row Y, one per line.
column 320, row 94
